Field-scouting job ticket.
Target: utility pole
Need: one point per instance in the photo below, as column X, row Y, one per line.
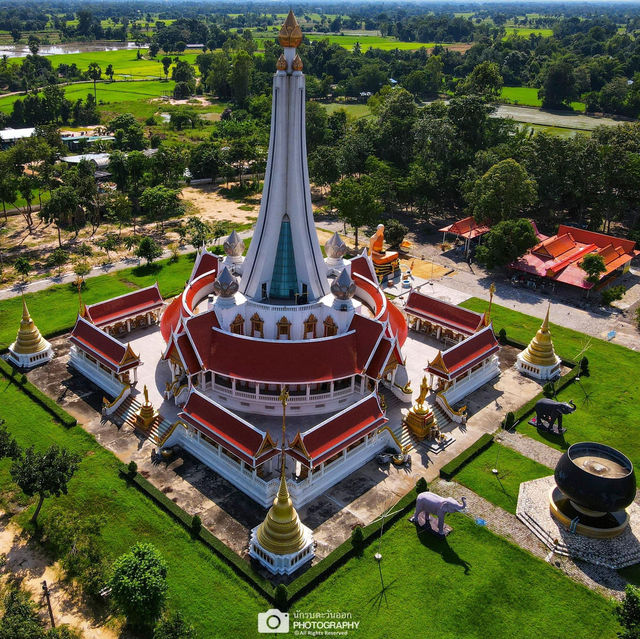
column 45, row 589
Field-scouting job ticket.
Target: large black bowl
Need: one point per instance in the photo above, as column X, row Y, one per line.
column 592, row 491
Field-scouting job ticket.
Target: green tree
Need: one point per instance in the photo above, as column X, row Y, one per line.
column 394, row 232
column 485, row 80
column 506, row 242
column 628, row 613
column 8, row 189
column 198, row 231
column 95, row 73
column 593, row 265
column 205, row 161
column 558, row 85
column 174, row 626
column 8, row 445
column 60, row 208
column 357, row 202
column 128, row 132
column 118, row 209
column 148, row 249
column 109, row 72
column 139, row 585
column 160, row 202
column 324, row 166
column 44, row 474
column 23, row 267
column 240, row 78
column 57, row 259
column 502, row 193
column 20, row 619
column 166, row 63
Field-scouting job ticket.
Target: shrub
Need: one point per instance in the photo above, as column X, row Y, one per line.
column 509, row 421
column 628, row 613
column 502, row 336
column 151, row 121
column 196, row 525
column 584, row 367
column 612, row 294
column 132, row 468
column 281, row 599
column 548, row 390
column 148, row 249
column 394, row 232
column 22, row 266
column 174, row 626
column 357, row 540
column 421, row 485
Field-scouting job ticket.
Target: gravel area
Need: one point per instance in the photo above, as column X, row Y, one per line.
column 604, row 580
column 530, row 448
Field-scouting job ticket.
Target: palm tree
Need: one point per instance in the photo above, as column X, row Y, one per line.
column 94, row 72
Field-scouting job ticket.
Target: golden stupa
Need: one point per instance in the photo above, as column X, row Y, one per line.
column 146, row 414
column 290, row 34
column 30, row 347
column 539, row 358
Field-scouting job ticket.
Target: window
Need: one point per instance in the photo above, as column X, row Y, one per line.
column 257, row 326
column 237, row 326
column 330, row 328
column 284, row 328
column 310, row 327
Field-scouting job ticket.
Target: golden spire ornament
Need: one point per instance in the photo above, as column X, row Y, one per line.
column 281, row 64
column 539, row 359
column 30, row 348
column 290, row 34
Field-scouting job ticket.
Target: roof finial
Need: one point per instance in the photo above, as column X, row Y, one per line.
column 545, row 324
column 290, row 33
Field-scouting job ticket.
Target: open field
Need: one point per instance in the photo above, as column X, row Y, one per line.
column 607, row 399
column 528, row 96
column 501, row 489
column 353, row 110
column 471, row 567
column 526, row 32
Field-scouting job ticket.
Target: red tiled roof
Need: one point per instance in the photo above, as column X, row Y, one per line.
column 225, row 428
column 439, row 312
column 170, row 318
column 205, row 264
column 187, row 354
column 100, row 345
column 360, row 266
column 555, row 246
column 380, row 357
column 468, row 353
column 336, row 433
column 125, row 306
column 599, row 239
column 368, row 333
column 467, row 227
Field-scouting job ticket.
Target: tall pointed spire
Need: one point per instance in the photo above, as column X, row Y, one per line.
column 539, row 358
column 30, row 348
column 290, row 35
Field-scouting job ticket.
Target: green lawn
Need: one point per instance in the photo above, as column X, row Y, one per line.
column 528, row 96
column 54, row 309
column 473, row 584
column 353, row 110
column 525, row 32
column 501, row 489
column 210, row 595
column 609, row 414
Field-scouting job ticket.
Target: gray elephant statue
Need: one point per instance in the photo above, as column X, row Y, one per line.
column 548, row 411
column 428, row 503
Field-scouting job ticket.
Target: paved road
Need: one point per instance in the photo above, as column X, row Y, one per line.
column 552, row 118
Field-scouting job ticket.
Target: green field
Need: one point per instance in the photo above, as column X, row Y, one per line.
column 366, row 41
column 353, row 110
column 528, row 96
column 502, row 488
column 495, row 586
column 609, row 413
column 526, row 32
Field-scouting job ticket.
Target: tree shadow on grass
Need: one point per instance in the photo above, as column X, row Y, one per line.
column 146, row 269
column 441, row 547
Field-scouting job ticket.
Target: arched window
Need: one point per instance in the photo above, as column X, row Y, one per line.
column 257, row 326
column 330, row 327
column 284, row 328
column 237, row 326
column 310, row 327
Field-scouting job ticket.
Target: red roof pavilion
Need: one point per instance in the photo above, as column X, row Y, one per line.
column 436, row 311
column 125, row 306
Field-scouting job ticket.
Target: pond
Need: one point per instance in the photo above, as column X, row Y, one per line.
column 22, row 50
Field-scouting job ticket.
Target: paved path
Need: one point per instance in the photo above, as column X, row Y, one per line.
column 504, row 524
column 553, row 118
column 530, row 448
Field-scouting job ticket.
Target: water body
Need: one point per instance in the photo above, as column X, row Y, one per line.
column 22, row 50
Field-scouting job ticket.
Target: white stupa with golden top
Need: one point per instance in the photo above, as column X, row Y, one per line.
column 282, row 543
column 30, row 348
column 539, row 359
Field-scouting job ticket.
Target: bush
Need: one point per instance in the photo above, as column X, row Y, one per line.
column 132, row 468
column 148, row 249
column 628, row 613
column 281, row 598
column 174, row 626
column 394, row 232
column 502, row 336
column 22, row 266
column 509, row 421
column 612, row 294
column 196, row 525
column 357, row 540
column 548, row 390
column 454, row 466
column 421, row 485
column 584, row 367
column 151, row 121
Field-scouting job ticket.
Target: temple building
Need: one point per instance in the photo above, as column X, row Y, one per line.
column 30, row 348
column 539, row 359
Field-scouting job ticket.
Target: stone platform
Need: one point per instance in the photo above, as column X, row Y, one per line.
column 533, row 510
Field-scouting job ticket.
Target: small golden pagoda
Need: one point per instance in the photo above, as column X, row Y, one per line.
column 30, row 348
column 539, row 359
column 146, row 414
column 282, row 543
column 420, row 418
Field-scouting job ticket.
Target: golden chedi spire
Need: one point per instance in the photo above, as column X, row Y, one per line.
column 281, row 64
column 28, row 340
column 290, row 33
column 540, row 350
column 281, row 532
column 296, row 65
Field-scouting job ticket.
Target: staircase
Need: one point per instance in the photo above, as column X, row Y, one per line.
column 404, row 435
column 125, row 414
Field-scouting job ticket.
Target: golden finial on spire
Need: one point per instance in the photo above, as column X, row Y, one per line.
column 540, row 350
column 290, row 33
column 296, row 65
column 281, row 64
column 487, row 317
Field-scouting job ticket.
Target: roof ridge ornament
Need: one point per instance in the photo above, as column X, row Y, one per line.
column 281, row 64
column 290, row 34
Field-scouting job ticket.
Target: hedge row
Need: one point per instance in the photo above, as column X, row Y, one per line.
column 454, row 466
column 240, row 566
column 36, row 394
column 318, row 573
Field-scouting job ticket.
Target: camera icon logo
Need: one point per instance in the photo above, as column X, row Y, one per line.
column 273, row 621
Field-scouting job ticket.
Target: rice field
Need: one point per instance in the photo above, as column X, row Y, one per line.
column 525, row 32
column 528, row 96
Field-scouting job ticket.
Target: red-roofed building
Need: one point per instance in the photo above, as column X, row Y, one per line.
column 558, row 258
column 119, row 315
column 102, row 358
column 444, row 321
column 466, row 366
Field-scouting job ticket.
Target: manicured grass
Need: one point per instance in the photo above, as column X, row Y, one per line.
column 54, row 309
column 209, row 594
column 501, row 489
column 473, row 584
column 610, row 412
column 525, row 32
column 528, row 96
column 353, row 110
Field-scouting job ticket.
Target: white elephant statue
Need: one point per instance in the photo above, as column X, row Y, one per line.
column 428, row 503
